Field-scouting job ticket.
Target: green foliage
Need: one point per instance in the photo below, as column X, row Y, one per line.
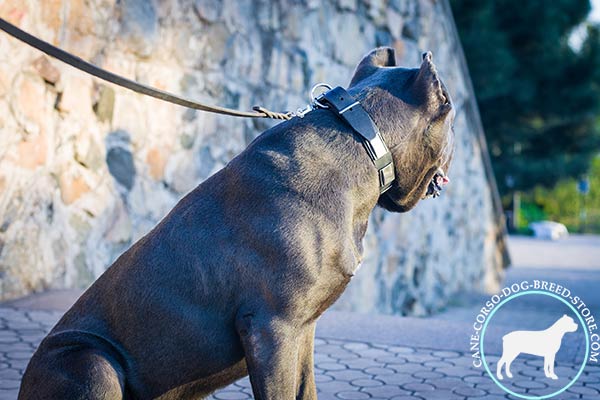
column 563, row 203
column 539, row 98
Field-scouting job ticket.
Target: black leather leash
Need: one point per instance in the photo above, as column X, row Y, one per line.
column 340, row 101
column 350, row 110
column 74, row 61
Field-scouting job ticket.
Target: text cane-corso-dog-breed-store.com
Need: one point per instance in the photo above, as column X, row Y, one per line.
column 232, row 281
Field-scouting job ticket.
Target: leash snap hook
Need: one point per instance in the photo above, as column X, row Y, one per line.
column 315, row 98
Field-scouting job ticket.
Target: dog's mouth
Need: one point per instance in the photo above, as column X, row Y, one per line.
column 435, row 187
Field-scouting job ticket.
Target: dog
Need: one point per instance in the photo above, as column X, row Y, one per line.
column 232, row 281
column 544, row 343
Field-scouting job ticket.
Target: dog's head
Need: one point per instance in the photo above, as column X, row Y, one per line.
column 567, row 324
column 414, row 113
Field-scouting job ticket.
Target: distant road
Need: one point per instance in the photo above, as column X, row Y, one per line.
column 574, row 252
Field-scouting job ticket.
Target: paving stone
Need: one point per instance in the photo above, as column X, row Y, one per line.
column 321, row 358
column 328, row 396
column 428, row 375
column 319, row 378
column 9, row 384
column 24, row 326
column 446, row 383
column 328, row 349
column 464, row 361
column 244, row 383
column 420, row 357
column 394, row 360
column 375, row 353
column 396, row 379
column 391, row 359
column 348, row 395
column 589, row 378
column 380, row 346
column 231, row 395
column 564, row 372
column 362, row 363
column 18, row 364
column 440, row 395
column 457, row 371
column 356, row 346
column 401, row 349
column 10, row 373
column 33, row 338
column 19, row 355
column 418, row 387
column 367, row 382
column 9, row 394
column 335, row 387
column 7, row 347
column 345, row 355
column 491, row 388
column 386, row 391
column 331, row 366
column 379, row 371
column 470, row 392
column 446, row 354
column 10, row 314
column 475, row 379
column 586, row 391
column 405, row 397
column 408, row 368
column 438, row 364
column 348, row 374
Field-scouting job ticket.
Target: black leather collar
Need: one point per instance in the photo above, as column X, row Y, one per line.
column 352, row 112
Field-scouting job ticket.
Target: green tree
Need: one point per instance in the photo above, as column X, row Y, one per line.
column 539, row 98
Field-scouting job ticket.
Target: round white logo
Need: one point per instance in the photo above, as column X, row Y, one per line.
column 534, row 339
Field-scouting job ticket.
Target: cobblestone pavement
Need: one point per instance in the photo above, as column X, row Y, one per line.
column 345, row 369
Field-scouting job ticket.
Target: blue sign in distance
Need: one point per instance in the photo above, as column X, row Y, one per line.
column 583, row 186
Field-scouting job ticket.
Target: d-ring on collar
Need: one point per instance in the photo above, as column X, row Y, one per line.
column 351, row 111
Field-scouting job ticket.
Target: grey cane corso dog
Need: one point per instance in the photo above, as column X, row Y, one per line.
column 232, row 281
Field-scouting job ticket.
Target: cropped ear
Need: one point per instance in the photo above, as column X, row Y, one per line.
column 380, row 57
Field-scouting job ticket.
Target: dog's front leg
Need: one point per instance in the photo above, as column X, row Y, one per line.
column 271, row 350
column 307, row 390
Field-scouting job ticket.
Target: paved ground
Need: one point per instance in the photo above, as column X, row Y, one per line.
column 382, row 357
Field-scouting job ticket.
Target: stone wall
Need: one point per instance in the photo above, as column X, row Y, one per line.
column 87, row 168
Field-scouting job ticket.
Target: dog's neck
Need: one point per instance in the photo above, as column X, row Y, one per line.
column 331, row 169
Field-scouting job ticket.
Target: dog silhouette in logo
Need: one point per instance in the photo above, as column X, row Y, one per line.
column 544, row 343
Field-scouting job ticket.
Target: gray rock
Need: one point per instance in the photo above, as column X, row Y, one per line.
column 207, row 10
column 139, row 25
column 119, row 159
column 105, row 105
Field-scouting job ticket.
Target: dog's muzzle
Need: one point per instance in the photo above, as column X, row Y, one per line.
column 435, row 187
